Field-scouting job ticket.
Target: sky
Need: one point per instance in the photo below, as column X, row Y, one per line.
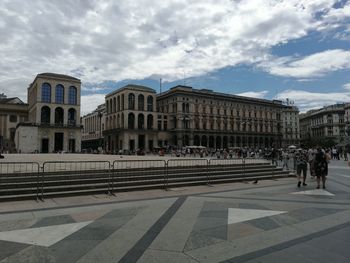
column 272, row 49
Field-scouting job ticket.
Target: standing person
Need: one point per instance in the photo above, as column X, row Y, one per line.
column 301, row 161
column 321, row 168
column 285, row 158
column 311, row 160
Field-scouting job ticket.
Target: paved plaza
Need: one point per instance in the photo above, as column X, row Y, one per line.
column 271, row 221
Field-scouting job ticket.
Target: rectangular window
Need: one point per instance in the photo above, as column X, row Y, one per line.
column 13, row 118
column 159, row 125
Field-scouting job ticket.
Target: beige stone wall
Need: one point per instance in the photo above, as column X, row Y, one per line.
column 27, row 140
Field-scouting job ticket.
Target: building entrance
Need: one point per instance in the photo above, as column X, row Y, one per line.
column 45, row 145
column 142, row 142
column 58, row 142
column 71, row 145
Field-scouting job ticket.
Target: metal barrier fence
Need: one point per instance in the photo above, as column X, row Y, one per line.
column 65, row 176
column 130, row 173
column 71, row 171
column 20, row 173
column 186, row 168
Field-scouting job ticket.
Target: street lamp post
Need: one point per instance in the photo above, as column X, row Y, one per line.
column 100, row 137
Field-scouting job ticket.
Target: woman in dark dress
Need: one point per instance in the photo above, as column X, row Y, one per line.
column 321, row 168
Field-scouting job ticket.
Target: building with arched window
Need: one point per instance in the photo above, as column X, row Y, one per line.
column 53, row 116
column 134, row 125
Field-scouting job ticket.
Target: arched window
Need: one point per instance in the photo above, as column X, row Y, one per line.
column 59, row 94
column 114, row 104
column 141, row 122
column 71, row 117
column 118, row 103
column 45, row 114
column 122, row 121
column 150, row 103
column 72, row 95
column 131, row 101
column 141, row 103
column 150, row 122
column 131, row 121
column 46, row 92
column 118, row 121
column 59, row 115
column 107, row 109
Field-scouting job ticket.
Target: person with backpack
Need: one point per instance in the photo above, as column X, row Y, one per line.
column 301, row 162
column 321, row 168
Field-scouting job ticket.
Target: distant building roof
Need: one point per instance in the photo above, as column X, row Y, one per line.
column 132, row 87
column 14, row 100
column 55, row 75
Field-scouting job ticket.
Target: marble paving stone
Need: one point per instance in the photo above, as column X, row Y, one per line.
column 158, row 256
column 42, row 236
column 79, row 243
column 16, row 224
column 236, row 215
column 203, row 223
column 54, row 220
column 8, row 248
column 32, row 254
column 217, row 232
column 199, row 239
column 320, row 192
column 265, row 223
column 89, row 215
column 309, row 213
column 239, row 230
column 251, row 206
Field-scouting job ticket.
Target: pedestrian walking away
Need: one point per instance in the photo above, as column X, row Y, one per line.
column 301, row 162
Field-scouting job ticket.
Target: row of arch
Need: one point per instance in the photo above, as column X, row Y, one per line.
column 117, row 103
column 59, row 94
column 226, row 141
column 115, row 122
column 58, row 116
column 220, row 111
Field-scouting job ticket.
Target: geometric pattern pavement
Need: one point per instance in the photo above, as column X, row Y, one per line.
column 252, row 223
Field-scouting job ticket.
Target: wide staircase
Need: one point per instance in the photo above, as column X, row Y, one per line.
column 65, row 182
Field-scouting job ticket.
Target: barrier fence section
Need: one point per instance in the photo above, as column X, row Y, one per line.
column 220, row 167
column 130, row 173
column 183, row 170
column 14, row 175
column 94, row 173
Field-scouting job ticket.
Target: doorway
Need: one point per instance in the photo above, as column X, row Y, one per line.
column 141, row 142
column 71, row 146
column 45, row 145
column 58, row 142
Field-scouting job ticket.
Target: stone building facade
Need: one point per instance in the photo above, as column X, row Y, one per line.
column 327, row 122
column 138, row 118
column 131, row 119
column 93, row 127
column 54, row 115
column 203, row 117
column 290, row 126
column 12, row 112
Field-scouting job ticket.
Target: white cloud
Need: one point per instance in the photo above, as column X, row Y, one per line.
column 100, row 40
column 306, row 100
column 346, row 86
column 254, row 94
column 90, row 102
column 310, row 66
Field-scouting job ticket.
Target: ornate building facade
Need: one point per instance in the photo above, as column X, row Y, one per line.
column 325, row 123
column 54, row 115
column 12, row 112
column 290, row 126
column 93, row 127
column 138, row 118
column 131, row 117
column 203, row 117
